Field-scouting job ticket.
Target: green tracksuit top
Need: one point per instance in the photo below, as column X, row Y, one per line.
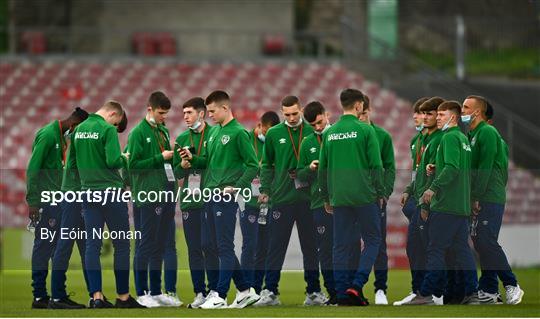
column 489, row 164
column 145, row 162
column 259, row 148
column 350, row 165
column 44, row 170
column 229, row 157
column 415, row 146
column 70, row 179
column 281, row 152
column 197, row 140
column 310, row 151
column 423, row 182
column 387, row 157
column 97, row 154
column 452, row 183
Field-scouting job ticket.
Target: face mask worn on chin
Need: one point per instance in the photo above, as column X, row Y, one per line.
column 261, row 137
column 152, row 121
column 447, row 124
column 324, row 130
column 293, row 126
column 419, row 128
column 68, row 134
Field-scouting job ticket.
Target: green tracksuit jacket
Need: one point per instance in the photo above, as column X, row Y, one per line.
column 281, row 152
column 489, row 164
column 97, row 154
column 44, row 170
column 452, row 183
column 387, row 157
column 350, row 165
column 310, row 151
column 198, row 141
column 146, row 163
column 229, row 158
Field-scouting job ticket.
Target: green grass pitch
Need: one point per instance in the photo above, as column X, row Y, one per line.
column 15, row 295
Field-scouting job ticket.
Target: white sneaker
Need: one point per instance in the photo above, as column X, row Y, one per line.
column 380, row 298
column 245, row 299
column 316, row 299
column 438, row 301
column 214, row 301
column 168, row 300
column 148, row 301
column 198, row 301
column 268, row 298
column 405, row 300
column 514, row 294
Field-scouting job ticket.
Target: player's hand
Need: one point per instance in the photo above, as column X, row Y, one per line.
column 404, row 198
column 430, row 169
column 185, row 154
column 476, row 208
column 329, row 209
column 263, row 198
column 424, row 214
column 428, row 194
column 33, row 213
column 167, row 155
column 314, row 165
column 292, row 174
column 185, row 164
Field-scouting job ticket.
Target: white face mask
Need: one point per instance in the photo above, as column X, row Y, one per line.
column 196, row 125
column 152, row 120
column 67, row 134
column 324, row 130
column 447, row 124
column 291, row 126
column 261, row 137
column 419, row 128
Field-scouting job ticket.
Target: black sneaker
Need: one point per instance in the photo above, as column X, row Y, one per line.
column 129, row 303
column 65, row 303
column 40, row 303
column 332, row 300
column 356, row 297
column 98, row 303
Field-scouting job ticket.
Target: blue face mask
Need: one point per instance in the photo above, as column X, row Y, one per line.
column 419, row 128
column 467, row 119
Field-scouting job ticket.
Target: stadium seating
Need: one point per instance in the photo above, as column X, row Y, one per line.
column 33, row 93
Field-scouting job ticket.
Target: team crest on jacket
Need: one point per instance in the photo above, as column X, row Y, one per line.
column 185, row 215
column 148, row 140
column 252, row 218
column 321, row 229
column 276, row 214
column 158, row 210
column 52, row 222
column 282, row 141
column 218, row 214
column 313, row 150
column 225, row 139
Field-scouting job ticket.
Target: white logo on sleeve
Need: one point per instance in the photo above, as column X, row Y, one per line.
column 466, row 147
column 473, row 141
column 225, row 139
column 282, row 141
column 313, row 150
